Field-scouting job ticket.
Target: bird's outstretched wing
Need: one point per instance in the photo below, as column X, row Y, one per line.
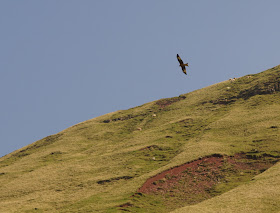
column 184, row 69
column 180, row 60
column 182, row 65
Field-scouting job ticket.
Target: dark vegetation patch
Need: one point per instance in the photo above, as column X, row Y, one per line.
column 147, row 116
column 31, row 149
column 126, row 205
column 114, row 179
column 168, row 101
column 151, row 148
column 123, row 118
column 199, row 180
column 56, row 153
column 271, row 86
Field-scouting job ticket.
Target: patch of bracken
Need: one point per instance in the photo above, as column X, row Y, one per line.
column 168, row 101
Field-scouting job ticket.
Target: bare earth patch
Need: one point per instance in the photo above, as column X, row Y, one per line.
column 201, row 179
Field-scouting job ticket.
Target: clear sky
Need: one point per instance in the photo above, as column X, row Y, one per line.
column 67, row 61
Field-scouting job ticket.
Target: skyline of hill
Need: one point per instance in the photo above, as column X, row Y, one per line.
column 216, row 148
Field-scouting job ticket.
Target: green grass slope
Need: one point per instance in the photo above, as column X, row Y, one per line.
column 262, row 194
column 98, row 165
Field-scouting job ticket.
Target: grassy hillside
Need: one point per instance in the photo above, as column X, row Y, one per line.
column 99, row 165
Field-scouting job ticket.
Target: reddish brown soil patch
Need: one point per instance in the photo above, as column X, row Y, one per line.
column 167, row 180
column 195, row 181
column 198, row 180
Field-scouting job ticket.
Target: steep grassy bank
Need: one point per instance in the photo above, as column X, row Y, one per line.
column 98, row 165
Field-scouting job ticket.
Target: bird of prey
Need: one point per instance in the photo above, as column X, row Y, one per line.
column 182, row 65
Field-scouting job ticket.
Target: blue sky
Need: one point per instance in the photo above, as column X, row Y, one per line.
column 64, row 62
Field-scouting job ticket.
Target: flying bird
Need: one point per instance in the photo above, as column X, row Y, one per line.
column 182, row 65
